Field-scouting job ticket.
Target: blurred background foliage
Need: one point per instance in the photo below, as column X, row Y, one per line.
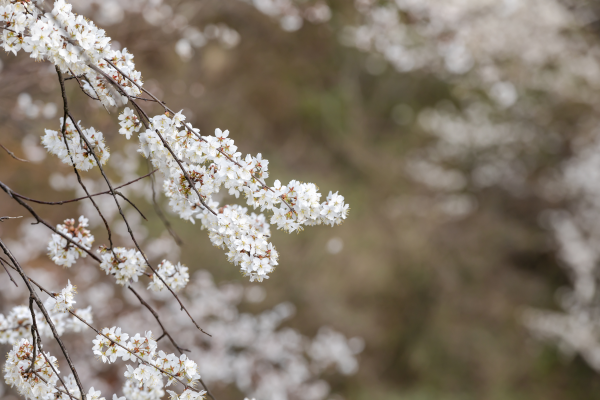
column 437, row 296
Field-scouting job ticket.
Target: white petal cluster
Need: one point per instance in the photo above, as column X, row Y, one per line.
column 63, row 301
column 74, row 44
column 93, row 394
column 64, row 253
column 212, row 162
column 186, row 395
column 129, row 123
column 176, row 276
column 17, row 323
column 70, row 42
column 78, row 151
column 245, row 237
column 17, row 372
column 146, row 380
column 128, row 265
column 134, row 391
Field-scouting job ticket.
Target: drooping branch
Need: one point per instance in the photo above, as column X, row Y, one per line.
column 35, row 298
column 55, row 203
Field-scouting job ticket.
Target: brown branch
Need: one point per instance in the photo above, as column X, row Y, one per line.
column 89, row 146
column 82, row 89
column 160, row 213
column 39, row 303
column 64, row 129
column 114, row 83
column 2, row 261
column 39, row 220
column 206, row 388
column 10, row 153
column 131, row 203
column 46, row 382
column 53, row 203
column 155, row 314
column 66, row 391
column 128, row 226
column 190, row 130
column 34, row 331
column 141, row 360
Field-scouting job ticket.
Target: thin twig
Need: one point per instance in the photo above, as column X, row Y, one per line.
column 155, row 314
column 190, row 130
column 34, row 331
column 66, row 391
column 10, row 153
column 127, row 223
column 54, row 203
column 39, row 220
column 131, row 203
column 2, row 261
column 140, row 359
column 160, row 213
column 3, row 218
column 64, row 134
column 39, row 303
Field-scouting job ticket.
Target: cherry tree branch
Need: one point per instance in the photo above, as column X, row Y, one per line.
column 34, row 297
column 55, row 203
column 10, row 153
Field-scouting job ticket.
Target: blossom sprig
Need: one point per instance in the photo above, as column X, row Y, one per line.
column 176, row 276
column 152, row 366
column 245, row 237
column 17, row 323
column 64, row 253
column 128, row 265
column 63, row 301
column 77, row 153
column 129, row 123
column 196, row 167
column 39, row 382
column 72, row 43
column 32, row 382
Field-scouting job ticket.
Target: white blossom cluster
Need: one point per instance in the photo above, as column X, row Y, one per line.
column 41, row 382
column 129, row 123
column 71, row 42
column 213, row 161
column 175, row 276
column 17, row 372
column 245, row 236
column 77, row 153
column 128, row 265
column 78, row 47
column 63, row 301
column 64, row 253
column 16, row 325
column 152, row 366
column 210, row 161
column 133, row 391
